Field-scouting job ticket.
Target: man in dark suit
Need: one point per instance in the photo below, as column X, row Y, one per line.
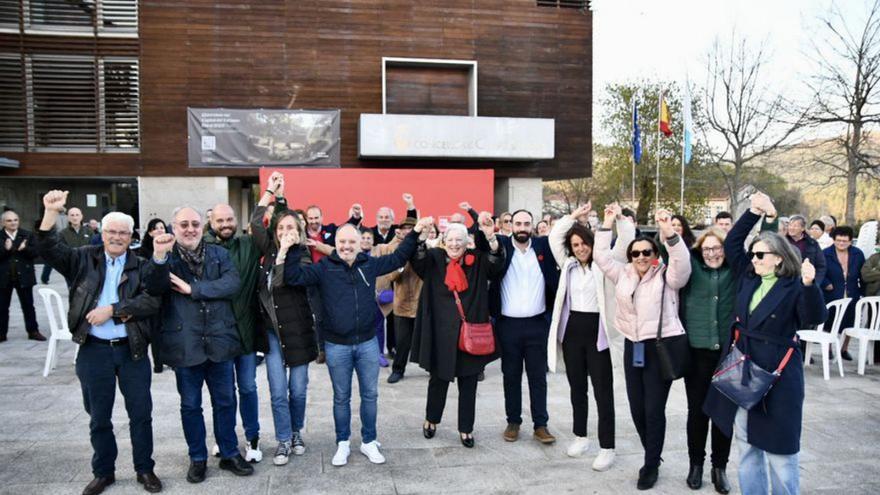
column 18, row 248
column 521, row 300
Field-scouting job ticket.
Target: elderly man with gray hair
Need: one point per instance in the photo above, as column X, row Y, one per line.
column 17, row 253
column 796, row 233
column 109, row 317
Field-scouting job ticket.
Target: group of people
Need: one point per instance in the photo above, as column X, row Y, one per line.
column 296, row 290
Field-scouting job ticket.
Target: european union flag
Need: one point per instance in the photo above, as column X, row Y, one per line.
column 637, row 134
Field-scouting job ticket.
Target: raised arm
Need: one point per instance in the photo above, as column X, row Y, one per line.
column 403, row 253
column 734, row 245
column 261, row 234
column 556, row 238
column 612, row 268
column 49, row 245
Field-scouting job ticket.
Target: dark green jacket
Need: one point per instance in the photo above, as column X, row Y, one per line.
column 246, row 258
column 871, row 275
column 707, row 304
column 74, row 239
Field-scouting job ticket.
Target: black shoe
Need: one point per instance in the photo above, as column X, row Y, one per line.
column 98, row 485
column 395, row 377
column 695, row 477
column 719, row 479
column 467, row 439
column 36, row 336
column 237, row 466
column 647, row 477
column 845, row 355
column 322, row 358
column 196, row 472
column 481, row 376
column 2, row 338
column 150, row 481
column 429, row 430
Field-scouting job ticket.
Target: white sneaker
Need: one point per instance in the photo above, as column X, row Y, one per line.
column 215, row 451
column 604, row 460
column 371, row 450
column 253, row 452
column 578, row 446
column 343, row 450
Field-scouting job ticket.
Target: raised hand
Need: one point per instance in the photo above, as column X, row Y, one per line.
column 55, row 200
column 356, row 211
column 162, row 246
column 423, row 224
column 580, row 211
column 611, row 212
column 464, row 205
column 664, row 222
column 487, row 225
column 408, row 199
column 808, row 272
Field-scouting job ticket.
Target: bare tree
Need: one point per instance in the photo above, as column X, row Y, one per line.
column 744, row 118
column 847, row 61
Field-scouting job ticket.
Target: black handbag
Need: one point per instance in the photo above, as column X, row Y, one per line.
column 741, row 380
column 674, row 353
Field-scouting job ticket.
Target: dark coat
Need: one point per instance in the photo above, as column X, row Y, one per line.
column 437, row 325
column 541, row 246
column 76, row 239
column 774, row 425
column 349, row 292
column 84, row 268
column 852, row 286
column 201, row 326
column 21, row 262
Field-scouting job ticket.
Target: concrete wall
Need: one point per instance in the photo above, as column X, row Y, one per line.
column 160, row 195
column 514, row 194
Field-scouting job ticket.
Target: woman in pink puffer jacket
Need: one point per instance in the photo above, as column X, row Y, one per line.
column 638, row 286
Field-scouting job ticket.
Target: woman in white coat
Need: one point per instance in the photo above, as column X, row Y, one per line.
column 579, row 325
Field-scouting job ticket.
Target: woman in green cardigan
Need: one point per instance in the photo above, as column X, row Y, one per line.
column 707, row 312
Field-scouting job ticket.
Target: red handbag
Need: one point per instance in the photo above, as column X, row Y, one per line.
column 477, row 339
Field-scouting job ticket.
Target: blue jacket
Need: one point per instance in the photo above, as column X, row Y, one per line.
column 201, row 326
column 348, row 292
column 774, row 425
column 541, row 246
column 852, row 286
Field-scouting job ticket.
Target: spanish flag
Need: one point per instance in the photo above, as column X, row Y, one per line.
column 665, row 128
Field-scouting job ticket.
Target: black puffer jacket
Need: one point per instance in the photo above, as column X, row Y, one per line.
column 84, row 269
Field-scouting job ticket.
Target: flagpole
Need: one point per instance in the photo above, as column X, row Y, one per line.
column 632, row 155
column 681, row 203
column 657, row 180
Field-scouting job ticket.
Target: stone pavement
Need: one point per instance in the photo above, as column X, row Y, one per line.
column 44, row 437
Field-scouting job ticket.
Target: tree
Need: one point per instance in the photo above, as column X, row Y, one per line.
column 847, row 59
column 742, row 113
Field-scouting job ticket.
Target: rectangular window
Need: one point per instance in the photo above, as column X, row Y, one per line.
column 565, row 4
column 63, row 103
column 60, row 14
column 9, row 15
column 77, row 16
column 12, row 104
column 120, row 94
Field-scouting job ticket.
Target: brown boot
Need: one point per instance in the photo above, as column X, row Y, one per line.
column 542, row 434
column 36, row 336
column 511, row 433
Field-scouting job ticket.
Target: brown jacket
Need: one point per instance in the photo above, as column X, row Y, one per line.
column 407, row 285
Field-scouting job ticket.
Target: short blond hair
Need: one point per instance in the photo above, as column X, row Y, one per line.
column 710, row 232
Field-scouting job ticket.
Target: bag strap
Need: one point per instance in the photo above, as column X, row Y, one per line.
column 662, row 303
column 460, row 308
column 785, row 359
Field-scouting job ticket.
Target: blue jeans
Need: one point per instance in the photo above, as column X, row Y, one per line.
column 363, row 359
column 783, row 478
column 99, row 368
column 221, row 386
column 288, row 388
column 248, row 405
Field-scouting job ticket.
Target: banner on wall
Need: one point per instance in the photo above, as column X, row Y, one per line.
column 226, row 137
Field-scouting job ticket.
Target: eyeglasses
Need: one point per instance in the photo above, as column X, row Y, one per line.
column 714, row 249
column 185, row 225
column 759, row 254
column 117, row 233
column 644, row 252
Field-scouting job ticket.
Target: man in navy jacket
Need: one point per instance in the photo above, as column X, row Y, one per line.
column 521, row 300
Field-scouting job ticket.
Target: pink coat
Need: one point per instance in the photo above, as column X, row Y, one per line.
column 638, row 299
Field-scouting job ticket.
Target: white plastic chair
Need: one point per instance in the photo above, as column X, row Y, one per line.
column 866, row 329
column 58, row 323
column 826, row 339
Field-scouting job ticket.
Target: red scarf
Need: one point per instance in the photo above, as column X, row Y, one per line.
column 455, row 279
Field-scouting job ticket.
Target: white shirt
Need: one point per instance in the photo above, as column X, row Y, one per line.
column 582, row 287
column 12, row 234
column 522, row 288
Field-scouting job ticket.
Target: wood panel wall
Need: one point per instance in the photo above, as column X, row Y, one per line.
column 533, row 62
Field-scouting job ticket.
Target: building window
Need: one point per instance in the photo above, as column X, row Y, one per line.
column 565, row 4
column 13, row 118
column 9, row 12
column 66, row 17
column 120, row 94
column 62, row 103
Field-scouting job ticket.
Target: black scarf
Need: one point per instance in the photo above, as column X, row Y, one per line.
column 194, row 259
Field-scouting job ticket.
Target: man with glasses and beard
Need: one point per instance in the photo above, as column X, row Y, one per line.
column 521, row 300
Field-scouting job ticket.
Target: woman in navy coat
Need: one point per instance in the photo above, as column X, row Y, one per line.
column 843, row 281
column 776, row 296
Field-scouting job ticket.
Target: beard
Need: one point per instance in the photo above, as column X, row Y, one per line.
column 521, row 236
column 226, row 233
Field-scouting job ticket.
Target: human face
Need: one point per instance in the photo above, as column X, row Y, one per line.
column 432, row 232
column 767, row 265
column 713, row 252
column 314, row 219
column 75, row 217
column 10, row 221
column 348, row 243
column 366, row 241
column 158, row 230
column 287, row 224
column 504, row 223
column 456, row 218
column 403, row 231
column 522, row 227
column 456, row 243
column 223, row 222
column 643, row 263
column 93, row 224
column 582, row 251
column 593, row 219
column 842, row 243
column 188, row 228
column 383, row 218
column 816, row 232
column 676, row 226
column 724, row 224
column 543, row 228
column 795, row 229
column 116, row 237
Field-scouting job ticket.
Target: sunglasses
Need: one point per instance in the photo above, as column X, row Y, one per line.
column 185, row 225
column 759, row 254
column 644, row 252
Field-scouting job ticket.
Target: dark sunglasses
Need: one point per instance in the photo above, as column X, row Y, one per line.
column 185, row 225
column 644, row 252
column 759, row 254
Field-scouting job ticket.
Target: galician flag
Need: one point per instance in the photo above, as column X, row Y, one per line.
column 688, row 123
column 665, row 126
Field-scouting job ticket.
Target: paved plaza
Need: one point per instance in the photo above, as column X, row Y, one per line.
column 46, row 450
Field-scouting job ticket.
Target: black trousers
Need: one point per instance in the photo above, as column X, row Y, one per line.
column 582, row 359
column 390, row 339
column 403, row 331
column 647, row 393
column 524, row 340
column 467, row 401
column 696, row 384
column 26, row 298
